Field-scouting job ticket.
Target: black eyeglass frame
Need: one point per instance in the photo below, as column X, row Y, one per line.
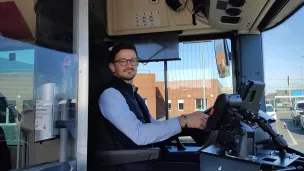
column 127, row 60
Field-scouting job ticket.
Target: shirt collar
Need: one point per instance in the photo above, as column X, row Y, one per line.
column 134, row 89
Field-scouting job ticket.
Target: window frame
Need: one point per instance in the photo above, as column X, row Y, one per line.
column 195, row 103
column 178, row 102
column 169, row 105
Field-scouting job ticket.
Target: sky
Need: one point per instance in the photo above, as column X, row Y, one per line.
column 283, row 51
column 25, row 56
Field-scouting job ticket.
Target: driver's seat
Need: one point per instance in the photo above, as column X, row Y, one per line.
column 101, row 152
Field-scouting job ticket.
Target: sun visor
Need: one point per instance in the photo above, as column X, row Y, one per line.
column 154, row 47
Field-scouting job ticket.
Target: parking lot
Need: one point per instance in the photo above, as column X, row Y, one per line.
column 293, row 134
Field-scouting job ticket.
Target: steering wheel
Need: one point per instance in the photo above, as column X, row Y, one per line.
column 199, row 136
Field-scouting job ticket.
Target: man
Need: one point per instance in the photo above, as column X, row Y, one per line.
column 128, row 119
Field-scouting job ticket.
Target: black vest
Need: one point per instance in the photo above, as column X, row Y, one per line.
column 136, row 105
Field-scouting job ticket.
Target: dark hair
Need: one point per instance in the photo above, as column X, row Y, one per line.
column 119, row 47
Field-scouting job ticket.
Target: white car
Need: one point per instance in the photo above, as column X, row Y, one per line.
column 270, row 111
column 297, row 111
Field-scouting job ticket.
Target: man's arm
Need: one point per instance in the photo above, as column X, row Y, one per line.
column 153, row 120
column 114, row 108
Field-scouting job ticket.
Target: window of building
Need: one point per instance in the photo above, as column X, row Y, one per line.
column 180, row 105
column 169, row 105
column 199, row 104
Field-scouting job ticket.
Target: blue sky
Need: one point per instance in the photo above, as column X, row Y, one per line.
column 25, row 56
column 283, row 54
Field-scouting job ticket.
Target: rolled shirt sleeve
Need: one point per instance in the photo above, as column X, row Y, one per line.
column 114, row 108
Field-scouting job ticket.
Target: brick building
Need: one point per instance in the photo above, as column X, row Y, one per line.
column 184, row 96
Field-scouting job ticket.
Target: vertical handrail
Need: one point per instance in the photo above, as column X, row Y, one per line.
column 166, row 91
column 81, row 49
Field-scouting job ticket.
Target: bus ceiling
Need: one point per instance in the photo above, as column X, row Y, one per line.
column 189, row 17
column 196, row 17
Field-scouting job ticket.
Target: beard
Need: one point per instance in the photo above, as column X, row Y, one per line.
column 127, row 75
column 128, row 78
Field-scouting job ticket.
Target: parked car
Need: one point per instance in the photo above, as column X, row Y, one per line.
column 302, row 121
column 270, row 111
column 296, row 111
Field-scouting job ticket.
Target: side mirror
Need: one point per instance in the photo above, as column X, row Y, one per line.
column 222, row 57
column 291, row 108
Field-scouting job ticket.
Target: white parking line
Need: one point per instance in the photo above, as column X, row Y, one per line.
column 301, row 141
column 292, row 138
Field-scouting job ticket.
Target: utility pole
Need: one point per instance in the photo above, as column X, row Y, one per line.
column 166, row 91
column 288, row 82
column 204, row 78
column 302, row 80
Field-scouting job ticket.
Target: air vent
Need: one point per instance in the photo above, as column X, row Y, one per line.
column 237, row 3
column 233, row 11
column 221, row 5
column 230, row 20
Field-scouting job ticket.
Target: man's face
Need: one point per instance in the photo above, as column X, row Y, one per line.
column 125, row 64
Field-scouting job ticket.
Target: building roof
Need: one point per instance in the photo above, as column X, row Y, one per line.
column 270, row 95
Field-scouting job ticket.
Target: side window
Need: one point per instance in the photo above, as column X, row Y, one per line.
column 38, row 80
column 169, row 105
column 283, row 62
column 16, row 88
column 199, row 104
column 35, row 82
column 180, row 105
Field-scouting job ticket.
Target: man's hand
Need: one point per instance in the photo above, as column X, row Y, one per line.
column 195, row 120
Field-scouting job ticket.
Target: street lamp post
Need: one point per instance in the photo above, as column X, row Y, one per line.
column 204, row 78
column 302, row 79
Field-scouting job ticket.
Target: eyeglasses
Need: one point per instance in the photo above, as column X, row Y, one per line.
column 124, row 62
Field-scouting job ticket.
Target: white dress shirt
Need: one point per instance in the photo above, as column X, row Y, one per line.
column 114, row 108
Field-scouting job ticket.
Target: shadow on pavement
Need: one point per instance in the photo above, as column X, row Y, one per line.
column 292, row 126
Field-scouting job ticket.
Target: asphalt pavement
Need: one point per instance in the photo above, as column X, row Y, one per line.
column 293, row 134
